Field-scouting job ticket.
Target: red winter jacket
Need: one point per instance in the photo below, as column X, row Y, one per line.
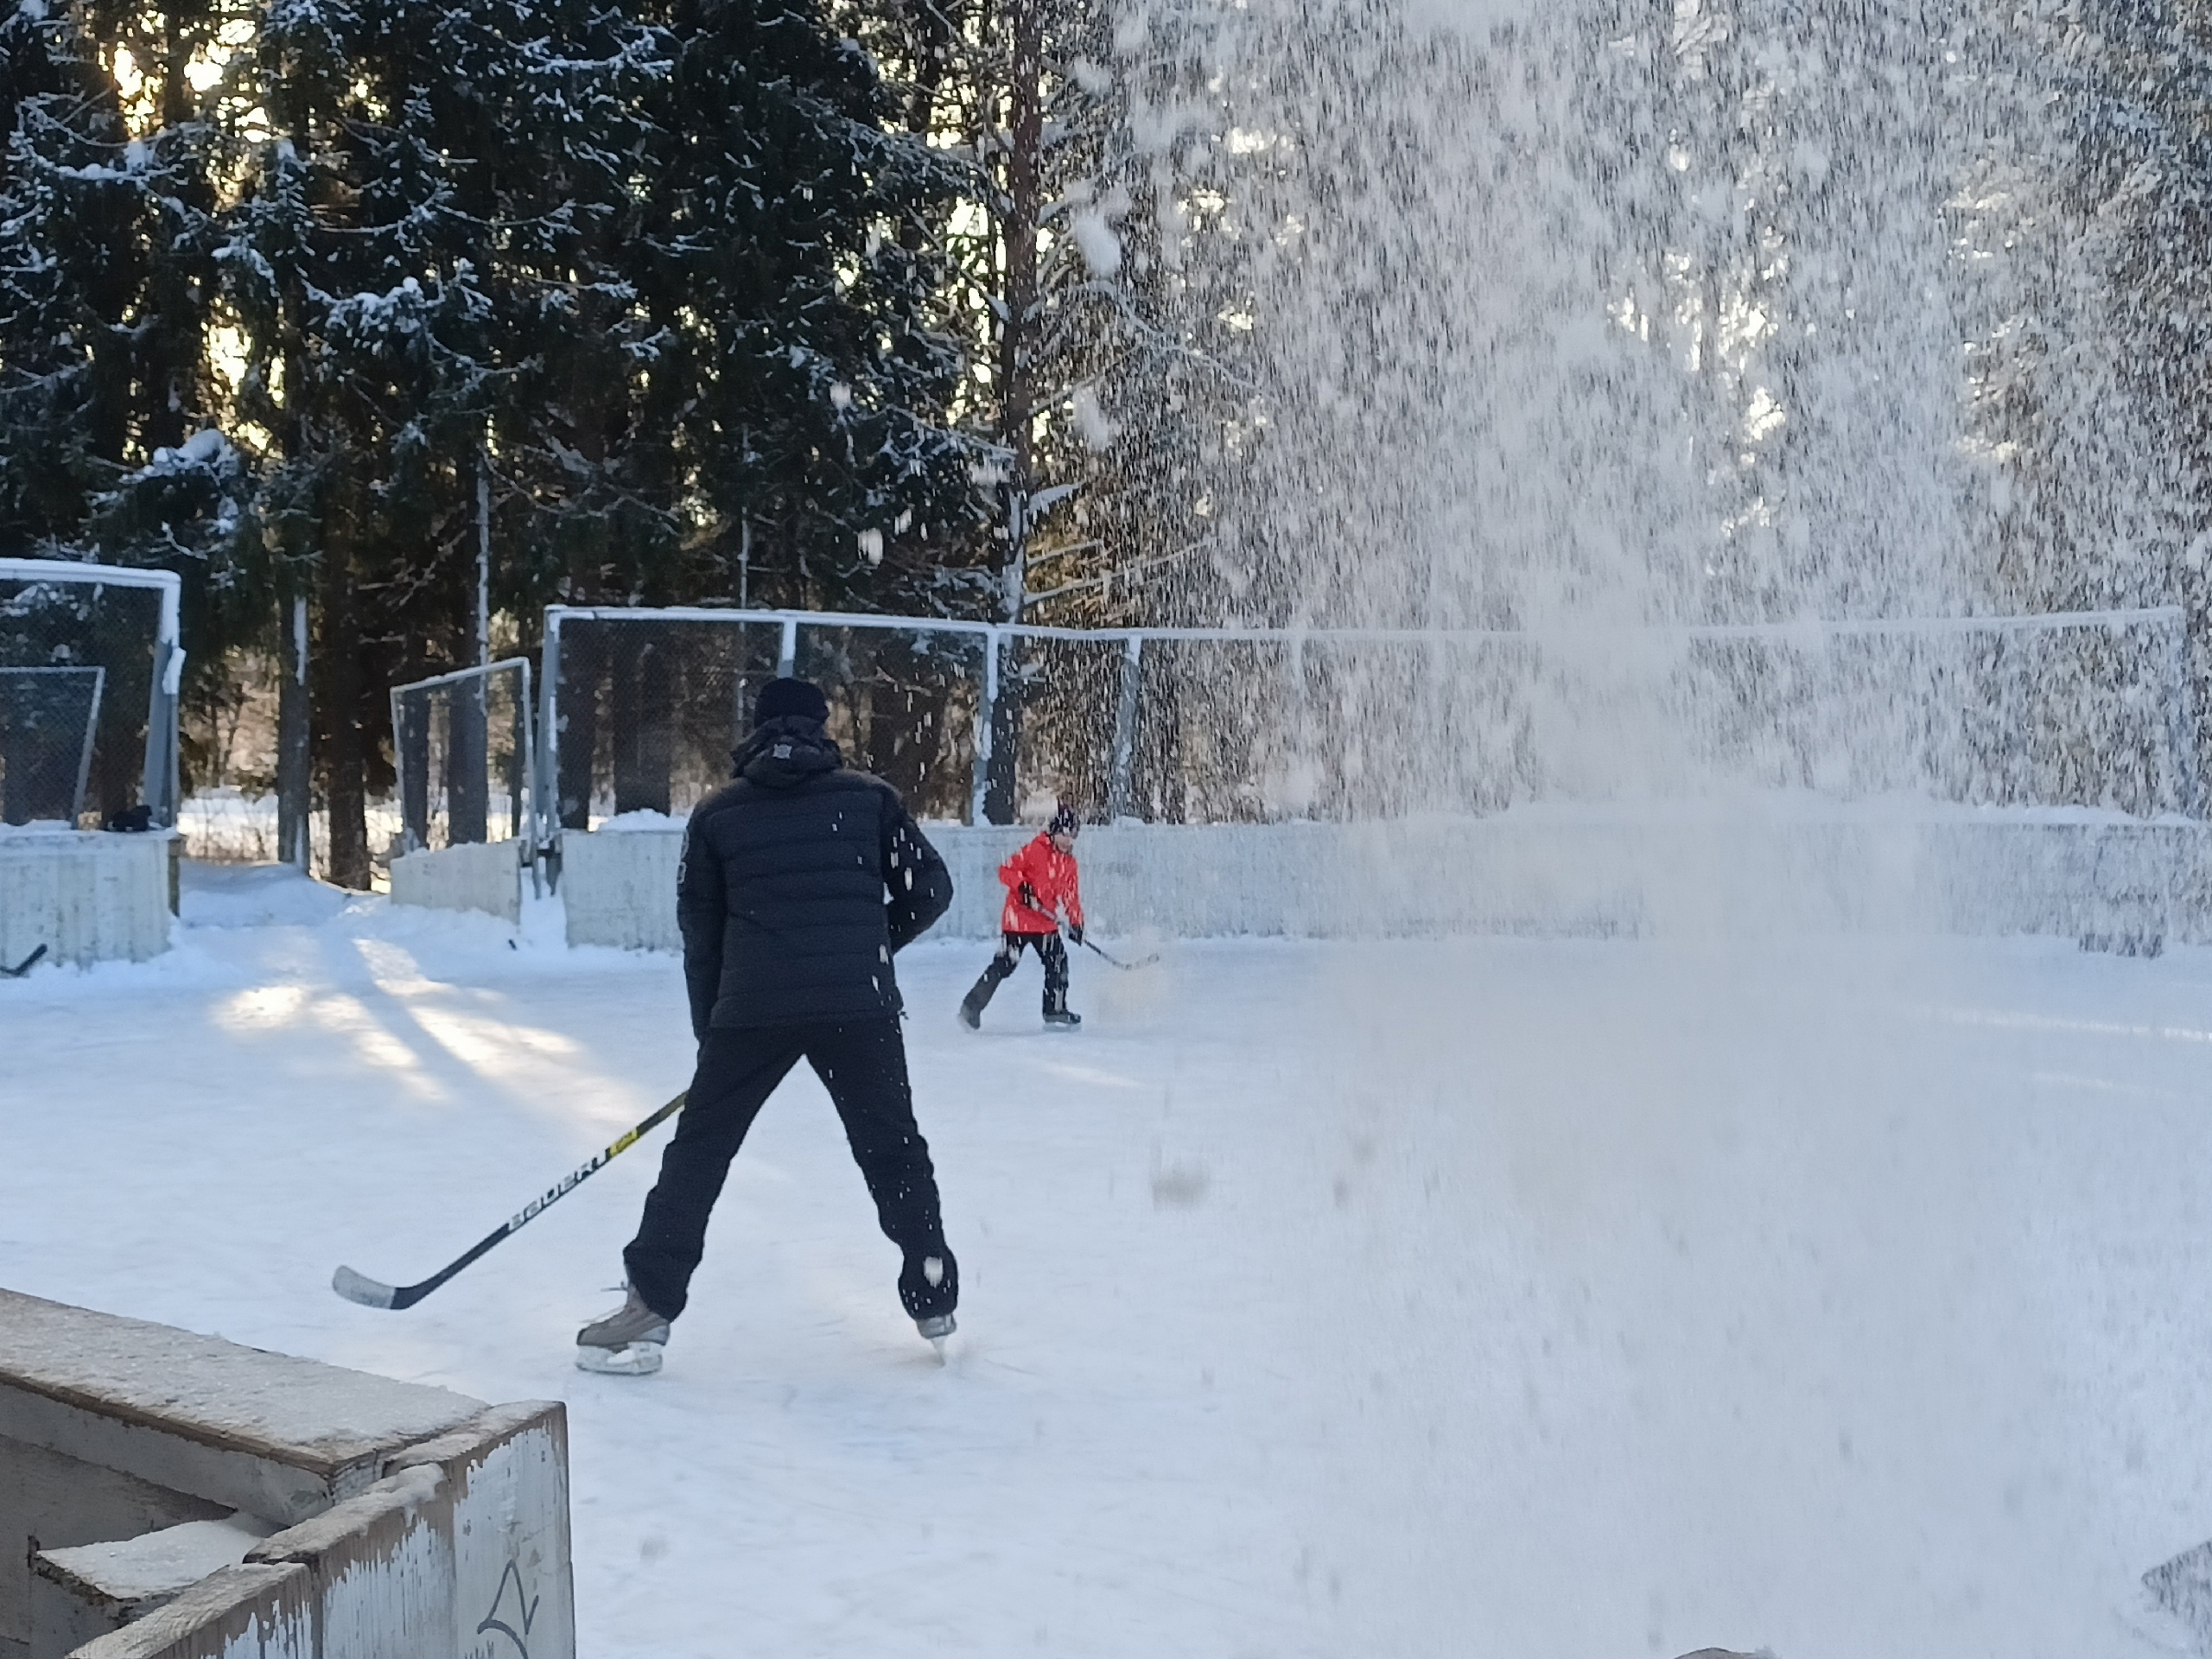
column 1050, row 872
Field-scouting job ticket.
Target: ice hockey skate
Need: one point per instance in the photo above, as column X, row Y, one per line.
column 626, row 1342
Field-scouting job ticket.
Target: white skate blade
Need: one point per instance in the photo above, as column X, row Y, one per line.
column 935, row 1331
column 632, row 1359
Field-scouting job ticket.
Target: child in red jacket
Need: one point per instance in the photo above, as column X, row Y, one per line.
column 1040, row 882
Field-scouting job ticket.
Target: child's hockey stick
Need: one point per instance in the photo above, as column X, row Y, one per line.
column 357, row 1288
column 25, row 965
column 1126, row 967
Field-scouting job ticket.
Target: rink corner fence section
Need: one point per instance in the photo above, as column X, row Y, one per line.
column 1545, row 874
column 85, row 895
column 169, row 1496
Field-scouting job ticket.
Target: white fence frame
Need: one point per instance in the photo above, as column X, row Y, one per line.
column 533, row 818
column 160, row 791
column 2182, row 718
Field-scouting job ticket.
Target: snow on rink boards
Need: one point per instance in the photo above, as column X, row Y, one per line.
column 1490, row 1297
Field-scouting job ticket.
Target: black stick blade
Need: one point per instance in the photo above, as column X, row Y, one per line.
column 357, row 1288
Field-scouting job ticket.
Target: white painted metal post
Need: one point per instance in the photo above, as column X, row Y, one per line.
column 986, row 707
column 526, row 827
column 295, row 788
column 545, row 793
column 2184, row 719
column 787, row 653
column 1125, row 730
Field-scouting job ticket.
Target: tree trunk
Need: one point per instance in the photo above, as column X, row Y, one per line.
column 468, row 777
column 1022, row 207
column 1018, row 331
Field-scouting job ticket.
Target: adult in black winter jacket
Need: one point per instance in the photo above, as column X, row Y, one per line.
column 800, row 880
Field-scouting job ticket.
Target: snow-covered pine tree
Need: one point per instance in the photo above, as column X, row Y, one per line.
column 365, row 346
column 795, row 376
column 441, row 342
column 102, row 233
column 64, row 377
column 2140, row 86
column 585, row 492
column 1092, row 378
column 105, row 202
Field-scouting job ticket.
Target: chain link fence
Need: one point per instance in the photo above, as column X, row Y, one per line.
column 461, row 749
column 48, row 719
column 982, row 722
column 123, row 625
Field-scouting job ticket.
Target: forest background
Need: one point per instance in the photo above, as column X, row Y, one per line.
column 401, row 321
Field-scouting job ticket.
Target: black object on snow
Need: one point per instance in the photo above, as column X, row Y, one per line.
column 782, row 897
column 1126, row 967
column 25, row 965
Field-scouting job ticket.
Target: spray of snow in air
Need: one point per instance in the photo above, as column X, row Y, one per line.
column 1670, row 356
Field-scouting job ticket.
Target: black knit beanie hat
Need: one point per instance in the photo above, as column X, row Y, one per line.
column 1064, row 822
column 779, row 698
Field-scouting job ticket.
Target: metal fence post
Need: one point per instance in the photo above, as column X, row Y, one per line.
column 412, row 837
column 525, row 777
column 787, row 652
column 2183, row 719
column 986, row 712
column 545, row 792
column 294, row 784
column 1125, row 730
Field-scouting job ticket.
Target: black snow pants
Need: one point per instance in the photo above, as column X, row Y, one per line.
column 862, row 1063
column 1050, row 951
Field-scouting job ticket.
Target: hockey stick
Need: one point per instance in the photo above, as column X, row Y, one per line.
column 25, row 965
column 1126, row 967
column 359, row 1288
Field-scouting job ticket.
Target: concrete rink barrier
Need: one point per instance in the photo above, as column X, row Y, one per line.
column 87, row 896
column 169, row 1496
column 485, row 876
column 1550, row 873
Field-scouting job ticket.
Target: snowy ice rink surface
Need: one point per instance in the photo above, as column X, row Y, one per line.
column 1491, row 1298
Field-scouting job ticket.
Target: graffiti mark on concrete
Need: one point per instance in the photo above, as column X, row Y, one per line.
column 511, row 1617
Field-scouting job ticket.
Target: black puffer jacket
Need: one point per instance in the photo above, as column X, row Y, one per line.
column 799, row 880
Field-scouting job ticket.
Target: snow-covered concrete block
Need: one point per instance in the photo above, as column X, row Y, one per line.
column 619, row 888
column 462, row 1548
column 79, row 1594
column 239, row 1613
column 113, row 1427
column 86, row 896
column 1619, row 872
column 341, row 1515
column 485, row 876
